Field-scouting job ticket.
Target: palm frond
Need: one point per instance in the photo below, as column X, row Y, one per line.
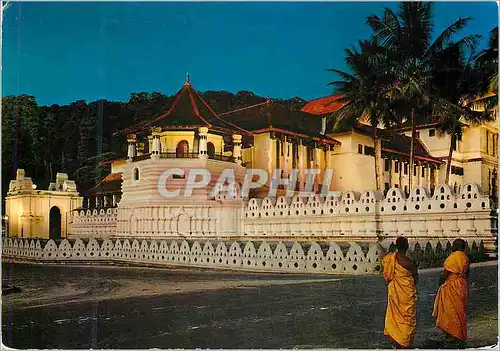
column 343, row 75
column 446, row 35
column 387, row 31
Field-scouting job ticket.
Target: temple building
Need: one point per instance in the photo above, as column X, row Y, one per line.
column 127, row 216
column 34, row 213
column 270, row 136
column 474, row 159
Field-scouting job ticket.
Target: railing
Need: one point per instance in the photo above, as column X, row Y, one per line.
column 174, row 154
column 190, row 154
column 220, row 157
column 141, row 157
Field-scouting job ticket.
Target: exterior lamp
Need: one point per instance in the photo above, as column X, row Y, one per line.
column 34, row 186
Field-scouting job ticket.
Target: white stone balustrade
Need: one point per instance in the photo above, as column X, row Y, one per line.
column 327, row 258
column 267, row 256
column 365, row 217
column 94, row 223
column 368, row 215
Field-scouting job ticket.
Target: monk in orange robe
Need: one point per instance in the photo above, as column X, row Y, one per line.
column 450, row 306
column 401, row 316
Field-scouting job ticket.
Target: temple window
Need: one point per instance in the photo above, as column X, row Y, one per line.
column 360, row 149
column 387, row 165
column 182, row 149
column 136, row 174
column 495, row 146
column 295, row 155
column 310, row 155
column 432, row 132
column 369, row 151
column 487, row 142
column 210, row 149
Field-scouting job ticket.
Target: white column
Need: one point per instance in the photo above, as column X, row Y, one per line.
column 285, row 157
column 202, row 132
column 323, row 125
column 156, row 148
column 300, row 151
column 419, row 175
column 131, row 139
column 237, row 148
column 316, row 156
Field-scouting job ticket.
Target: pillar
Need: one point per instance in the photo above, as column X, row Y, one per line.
column 316, row 163
column 202, row 133
column 300, row 152
column 131, row 139
column 237, row 148
column 156, row 147
column 419, row 175
column 285, row 157
column 437, row 182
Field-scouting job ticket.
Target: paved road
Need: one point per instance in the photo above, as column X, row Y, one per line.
column 344, row 313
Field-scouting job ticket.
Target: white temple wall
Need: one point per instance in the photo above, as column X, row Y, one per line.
column 365, row 217
column 284, row 257
column 145, row 189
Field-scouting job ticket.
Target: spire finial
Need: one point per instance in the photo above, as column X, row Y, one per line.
column 187, row 79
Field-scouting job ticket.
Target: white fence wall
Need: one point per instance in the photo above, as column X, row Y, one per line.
column 370, row 214
column 350, row 217
column 330, row 258
column 94, row 223
column 267, row 256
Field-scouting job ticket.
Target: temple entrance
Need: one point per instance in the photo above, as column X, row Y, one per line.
column 55, row 223
column 182, row 149
column 210, row 150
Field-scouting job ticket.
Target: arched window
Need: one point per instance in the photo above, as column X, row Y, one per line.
column 210, row 150
column 182, row 149
column 136, row 174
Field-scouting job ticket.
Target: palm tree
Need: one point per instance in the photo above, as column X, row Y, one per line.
column 487, row 65
column 408, row 35
column 454, row 83
column 364, row 92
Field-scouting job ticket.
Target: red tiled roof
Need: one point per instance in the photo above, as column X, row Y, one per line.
column 112, row 183
column 324, row 105
column 271, row 116
column 107, row 162
column 188, row 111
column 112, row 177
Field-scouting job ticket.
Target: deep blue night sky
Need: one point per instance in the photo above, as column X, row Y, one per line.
column 61, row 52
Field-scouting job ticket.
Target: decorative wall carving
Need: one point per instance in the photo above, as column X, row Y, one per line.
column 361, row 217
column 288, row 257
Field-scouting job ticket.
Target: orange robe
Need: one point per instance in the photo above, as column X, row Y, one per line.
column 450, row 306
column 401, row 315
